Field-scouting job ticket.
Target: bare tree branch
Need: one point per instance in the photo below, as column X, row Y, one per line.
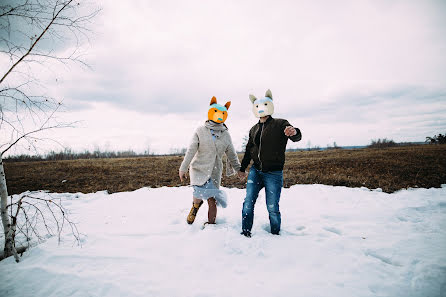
column 36, row 41
column 23, row 114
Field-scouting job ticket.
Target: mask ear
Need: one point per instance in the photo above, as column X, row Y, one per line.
column 252, row 98
column 213, row 100
column 269, row 94
column 228, row 104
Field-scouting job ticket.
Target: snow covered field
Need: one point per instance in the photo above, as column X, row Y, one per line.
column 335, row 241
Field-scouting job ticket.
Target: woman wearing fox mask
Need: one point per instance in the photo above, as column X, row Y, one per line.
column 204, row 161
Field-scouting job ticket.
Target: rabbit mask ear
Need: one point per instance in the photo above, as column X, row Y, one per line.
column 228, row 104
column 269, row 94
column 213, row 100
column 252, row 98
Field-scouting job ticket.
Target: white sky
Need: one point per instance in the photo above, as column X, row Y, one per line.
column 341, row 71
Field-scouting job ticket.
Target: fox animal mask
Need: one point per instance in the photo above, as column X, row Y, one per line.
column 218, row 113
column 262, row 107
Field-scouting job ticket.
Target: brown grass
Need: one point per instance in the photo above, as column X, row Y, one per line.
column 391, row 169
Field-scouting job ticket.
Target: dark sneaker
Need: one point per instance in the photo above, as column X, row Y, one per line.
column 246, row 233
column 193, row 212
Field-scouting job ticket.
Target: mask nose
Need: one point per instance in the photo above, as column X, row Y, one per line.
column 220, row 119
column 260, row 111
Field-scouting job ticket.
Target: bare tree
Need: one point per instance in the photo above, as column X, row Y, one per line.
column 437, row 139
column 32, row 213
column 33, row 34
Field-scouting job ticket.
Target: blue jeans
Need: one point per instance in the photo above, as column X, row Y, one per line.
column 272, row 181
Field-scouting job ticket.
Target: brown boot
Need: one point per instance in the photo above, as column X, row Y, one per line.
column 193, row 212
column 212, row 212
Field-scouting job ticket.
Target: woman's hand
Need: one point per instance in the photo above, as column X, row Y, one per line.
column 242, row 175
column 182, row 175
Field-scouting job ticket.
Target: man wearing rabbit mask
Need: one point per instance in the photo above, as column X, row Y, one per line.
column 266, row 148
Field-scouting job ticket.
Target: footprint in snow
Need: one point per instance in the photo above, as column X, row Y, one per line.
column 382, row 258
column 175, row 221
column 333, row 230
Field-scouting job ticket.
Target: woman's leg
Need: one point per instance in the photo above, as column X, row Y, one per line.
column 212, row 212
column 193, row 211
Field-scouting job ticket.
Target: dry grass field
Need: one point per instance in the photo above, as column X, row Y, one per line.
column 390, row 169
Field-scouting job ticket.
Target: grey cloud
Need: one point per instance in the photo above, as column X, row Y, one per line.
column 404, row 113
column 151, row 101
column 351, row 106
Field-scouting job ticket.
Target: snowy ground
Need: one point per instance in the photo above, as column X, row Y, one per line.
column 335, row 241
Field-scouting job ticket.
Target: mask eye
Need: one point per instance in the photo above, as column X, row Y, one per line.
column 266, row 104
column 215, row 110
column 257, row 106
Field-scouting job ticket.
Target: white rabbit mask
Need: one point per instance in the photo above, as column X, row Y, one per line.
column 264, row 106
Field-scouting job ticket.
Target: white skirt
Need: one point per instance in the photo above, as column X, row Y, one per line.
column 209, row 190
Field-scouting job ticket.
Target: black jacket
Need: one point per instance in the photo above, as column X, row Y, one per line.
column 267, row 150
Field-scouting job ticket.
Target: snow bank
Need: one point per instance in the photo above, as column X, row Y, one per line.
column 335, row 241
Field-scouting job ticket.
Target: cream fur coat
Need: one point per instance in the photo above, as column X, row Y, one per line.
column 204, row 157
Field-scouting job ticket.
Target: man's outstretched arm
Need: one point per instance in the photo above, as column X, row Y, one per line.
column 291, row 132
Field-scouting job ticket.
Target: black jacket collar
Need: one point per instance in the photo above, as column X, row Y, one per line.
column 270, row 118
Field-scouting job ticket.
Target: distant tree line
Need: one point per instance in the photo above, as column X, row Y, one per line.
column 69, row 154
column 436, row 139
column 382, row 143
column 333, row 147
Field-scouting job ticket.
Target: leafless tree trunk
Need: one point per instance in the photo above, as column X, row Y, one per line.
column 9, row 243
column 24, row 26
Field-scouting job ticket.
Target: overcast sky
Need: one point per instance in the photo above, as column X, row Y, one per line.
column 341, row 71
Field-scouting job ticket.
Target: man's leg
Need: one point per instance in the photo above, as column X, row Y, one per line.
column 273, row 187
column 253, row 187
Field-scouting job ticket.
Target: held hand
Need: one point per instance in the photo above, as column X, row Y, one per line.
column 242, row 175
column 290, row 131
column 182, row 175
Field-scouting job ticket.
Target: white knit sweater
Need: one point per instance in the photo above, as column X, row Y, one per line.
column 204, row 156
